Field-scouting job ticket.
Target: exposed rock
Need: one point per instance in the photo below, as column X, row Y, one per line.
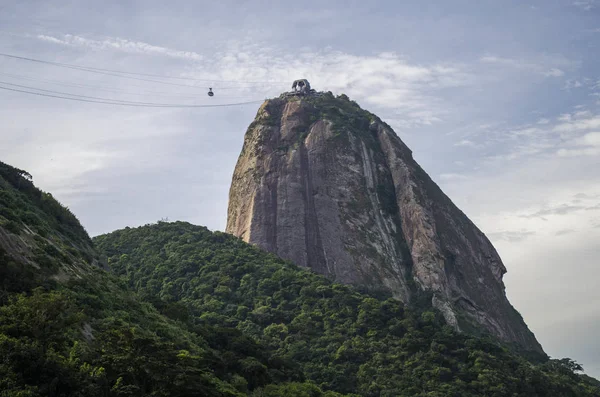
column 329, row 186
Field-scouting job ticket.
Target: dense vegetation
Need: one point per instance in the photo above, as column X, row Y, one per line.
column 69, row 328
column 334, row 336
column 21, row 203
column 43, row 235
column 195, row 313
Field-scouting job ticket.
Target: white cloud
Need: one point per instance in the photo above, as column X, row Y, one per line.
column 586, row 5
column 578, row 152
column 591, row 139
column 586, row 145
column 511, row 236
column 553, row 72
column 577, row 122
column 406, row 90
column 119, row 44
column 547, row 67
column 570, row 84
column 452, row 177
column 568, row 135
column 466, row 142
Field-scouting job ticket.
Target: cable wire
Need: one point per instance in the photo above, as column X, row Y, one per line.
column 108, row 71
column 164, row 94
column 134, row 104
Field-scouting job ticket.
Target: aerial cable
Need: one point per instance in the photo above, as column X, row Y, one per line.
column 134, row 104
column 82, row 96
column 107, row 89
column 85, row 69
column 105, row 71
column 75, row 95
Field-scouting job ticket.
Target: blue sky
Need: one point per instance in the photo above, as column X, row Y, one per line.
column 499, row 101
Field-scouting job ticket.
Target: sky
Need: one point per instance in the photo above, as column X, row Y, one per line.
column 498, row 100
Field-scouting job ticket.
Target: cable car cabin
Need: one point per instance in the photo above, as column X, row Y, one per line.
column 210, row 92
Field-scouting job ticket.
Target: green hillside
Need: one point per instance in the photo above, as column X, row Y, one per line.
column 189, row 312
column 336, row 337
column 70, row 328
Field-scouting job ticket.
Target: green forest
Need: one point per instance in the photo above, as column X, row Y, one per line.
column 173, row 309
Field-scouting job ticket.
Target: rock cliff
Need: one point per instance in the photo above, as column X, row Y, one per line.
column 329, row 186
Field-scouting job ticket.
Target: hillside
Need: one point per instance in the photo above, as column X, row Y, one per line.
column 189, row 312
column 330, row 186
column 70, row 328
column 334, row 336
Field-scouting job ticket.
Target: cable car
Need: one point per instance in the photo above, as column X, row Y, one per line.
column 210, row 92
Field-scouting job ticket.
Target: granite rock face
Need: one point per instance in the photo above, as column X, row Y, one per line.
column 329, row 186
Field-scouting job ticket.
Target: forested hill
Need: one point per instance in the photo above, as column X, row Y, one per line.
column 70, row 328
column 329, row 334
column 195, row 313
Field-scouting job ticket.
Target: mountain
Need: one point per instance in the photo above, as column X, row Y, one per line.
column 319, row 331
column 177, row 310
column 331, row 187
column 68, row 327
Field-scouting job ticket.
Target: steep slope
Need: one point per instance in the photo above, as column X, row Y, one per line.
column 44, row 239
column 329, row 186
column 69, row 328
column 338, row 338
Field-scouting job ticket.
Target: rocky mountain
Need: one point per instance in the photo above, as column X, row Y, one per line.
column 331, row 187
column 177, row 310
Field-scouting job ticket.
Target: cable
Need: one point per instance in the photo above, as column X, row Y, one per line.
column 105, row 71
column 75, row 95
column 140, row 104
column 104, row 88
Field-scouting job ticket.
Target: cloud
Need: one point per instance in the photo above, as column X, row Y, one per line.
column 570, row 84
column 553, row 72
column 122, row 45
column 591, row 139
column 451, row 177
column 567, row 135
column 578, row 152
column 578, row 122
column 542, row 69
column 560, row 210
column 407, row 91
column 511, row 236
column 586, row 145
column 586, row 5
column 586, row 196
column 466, row 142
column 562, row 232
